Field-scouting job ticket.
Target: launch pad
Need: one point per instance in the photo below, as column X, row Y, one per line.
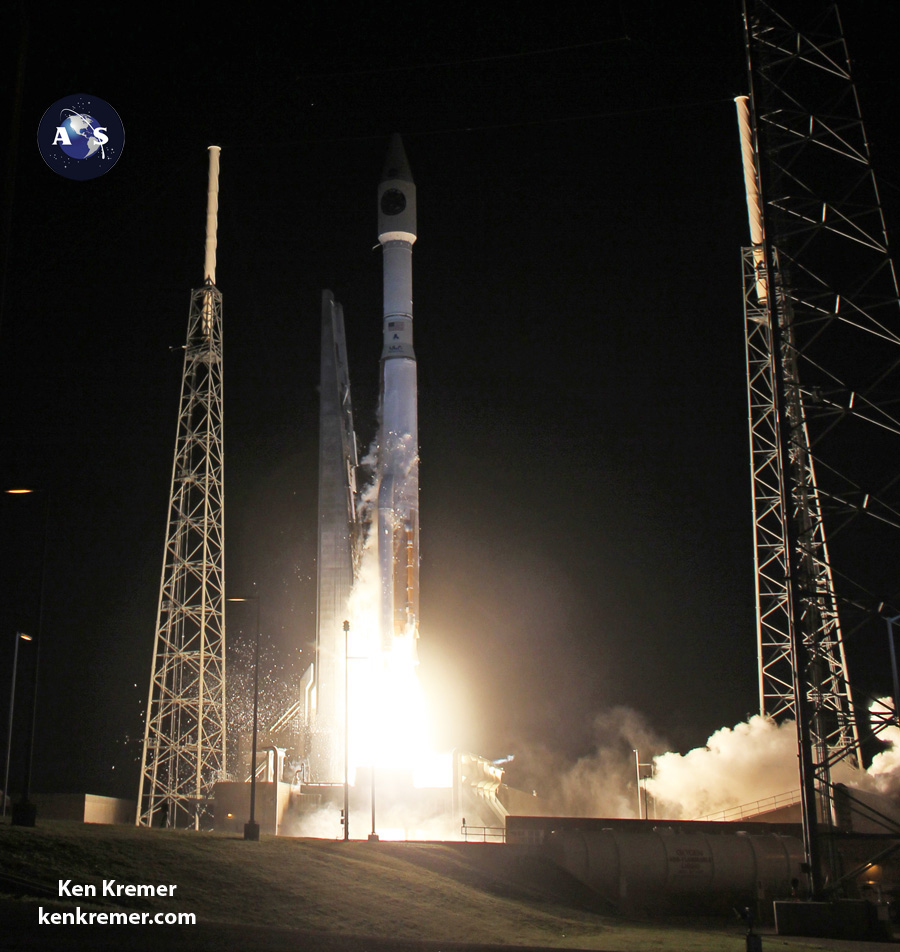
column 459, row 793
column 358, row 718
column 351, row 756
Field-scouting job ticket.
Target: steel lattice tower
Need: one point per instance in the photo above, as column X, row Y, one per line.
column 823, row 352
column 782, row 470
column 184, row 736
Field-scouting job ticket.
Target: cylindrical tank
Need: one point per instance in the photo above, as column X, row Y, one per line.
column 674, row 870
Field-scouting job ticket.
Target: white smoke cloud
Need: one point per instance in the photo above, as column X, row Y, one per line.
column 883, row 775
column 738, row 765
column 756, row 760
column 602, row 783
column 324, row 824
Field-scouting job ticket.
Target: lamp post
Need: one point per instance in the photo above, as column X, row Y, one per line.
column 251, row 828
column 373, row 836
column 24, row 813
column 346, row 731
column 19, row 636
column 890, row 632
column 643, row 809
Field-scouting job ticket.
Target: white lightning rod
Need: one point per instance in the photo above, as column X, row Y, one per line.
column 212, row 210
column 751, row 187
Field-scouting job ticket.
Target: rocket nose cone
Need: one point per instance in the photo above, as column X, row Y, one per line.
column 396, row 165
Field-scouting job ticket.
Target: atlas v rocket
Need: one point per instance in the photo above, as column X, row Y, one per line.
column 398, row 461
column 396, row 520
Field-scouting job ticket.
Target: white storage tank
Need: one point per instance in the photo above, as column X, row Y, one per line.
column 665, row 870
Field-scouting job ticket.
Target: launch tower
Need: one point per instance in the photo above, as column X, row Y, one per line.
column 338, row 545
column 184, row 736
column 823, row 343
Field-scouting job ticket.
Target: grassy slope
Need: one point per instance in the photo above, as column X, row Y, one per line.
column 422, row 891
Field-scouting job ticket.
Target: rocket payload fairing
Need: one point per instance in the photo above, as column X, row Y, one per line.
column 398, row 465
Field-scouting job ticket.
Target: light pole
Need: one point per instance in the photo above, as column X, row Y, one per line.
column 346, row 731
column 890, row 632
column 347, row 659
column 24, row 813
column 19, row 636
column 373, row 836
column 251, row 828
column 643, row 809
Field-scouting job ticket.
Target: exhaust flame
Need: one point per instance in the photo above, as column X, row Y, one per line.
column 389, row 724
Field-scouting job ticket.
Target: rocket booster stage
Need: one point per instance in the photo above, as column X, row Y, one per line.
column 398, row 467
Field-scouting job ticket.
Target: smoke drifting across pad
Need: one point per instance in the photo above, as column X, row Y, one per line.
column 754, row 760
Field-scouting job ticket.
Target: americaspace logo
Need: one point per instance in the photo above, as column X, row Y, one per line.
column 81, row 137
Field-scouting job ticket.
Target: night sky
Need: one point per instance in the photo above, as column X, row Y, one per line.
column 585, row 502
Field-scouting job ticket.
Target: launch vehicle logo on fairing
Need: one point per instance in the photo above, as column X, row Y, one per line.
column 81, row 137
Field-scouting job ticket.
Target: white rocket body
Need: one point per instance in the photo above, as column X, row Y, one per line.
column 398, row 466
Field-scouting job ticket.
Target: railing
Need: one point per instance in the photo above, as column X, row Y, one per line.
column 756, row 807
column 483, row 834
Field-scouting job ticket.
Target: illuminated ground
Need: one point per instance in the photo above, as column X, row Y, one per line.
column 323, row 894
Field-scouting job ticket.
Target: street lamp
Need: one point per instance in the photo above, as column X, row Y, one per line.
column 643, row 809
column 346, row 732
column 890, row 632
column 347, row 659
column 24, row 813
column 251, row 828
column 373, row 836
column 19, row 636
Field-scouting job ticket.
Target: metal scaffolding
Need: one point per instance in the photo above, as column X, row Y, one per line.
column 823, row 362
column 184, row 737
column 771, row 465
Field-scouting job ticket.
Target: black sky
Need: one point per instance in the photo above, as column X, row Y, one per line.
column 586, row 534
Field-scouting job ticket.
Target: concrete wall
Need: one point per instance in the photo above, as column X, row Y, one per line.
column 846, row 919
column 85, row 807
column 108, row 809
column 232, row 806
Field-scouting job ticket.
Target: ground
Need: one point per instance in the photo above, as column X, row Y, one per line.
column 298, row 894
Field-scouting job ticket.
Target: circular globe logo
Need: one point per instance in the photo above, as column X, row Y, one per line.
column 81, row 137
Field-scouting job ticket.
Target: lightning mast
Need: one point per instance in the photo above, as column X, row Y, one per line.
column 184, row 736
column 823, row 351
